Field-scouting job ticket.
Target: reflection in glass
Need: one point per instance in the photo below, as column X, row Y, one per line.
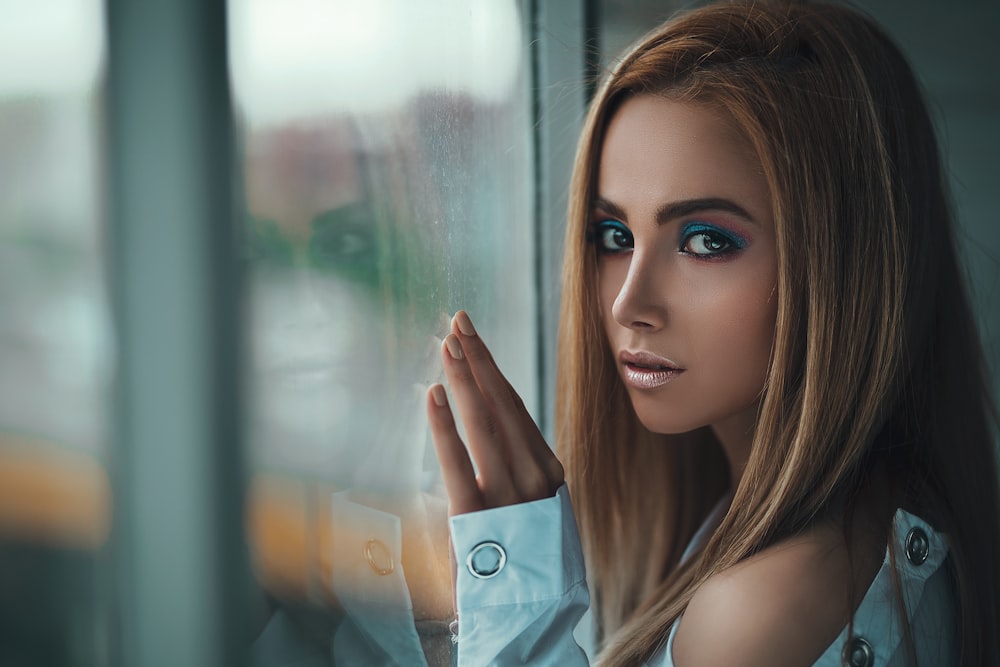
column 341, row 286
column 386, row 167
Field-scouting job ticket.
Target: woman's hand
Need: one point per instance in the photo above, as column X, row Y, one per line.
column 515, row 464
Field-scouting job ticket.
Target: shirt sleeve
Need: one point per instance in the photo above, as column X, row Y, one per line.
column 368, row 579
column 521, row 584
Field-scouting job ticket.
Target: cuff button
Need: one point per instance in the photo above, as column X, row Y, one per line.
column 379, row 557
column 486, row 560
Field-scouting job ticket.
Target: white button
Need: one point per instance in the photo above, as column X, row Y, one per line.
column 486, row 560
column 379, row 557
column 859, row 653
column 917, row 546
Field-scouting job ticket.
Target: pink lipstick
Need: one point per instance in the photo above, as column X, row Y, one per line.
column 643, row 370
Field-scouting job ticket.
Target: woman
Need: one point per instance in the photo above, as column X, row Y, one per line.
column 773, row 410
column 334, row 207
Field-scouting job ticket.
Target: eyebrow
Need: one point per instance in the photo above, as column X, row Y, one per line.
column 679, row 209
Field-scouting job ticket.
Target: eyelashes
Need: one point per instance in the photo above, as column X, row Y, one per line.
column 707, row 240
column 697, row 239
column 611, row 237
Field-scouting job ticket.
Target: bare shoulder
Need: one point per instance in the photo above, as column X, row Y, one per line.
column 783, row 606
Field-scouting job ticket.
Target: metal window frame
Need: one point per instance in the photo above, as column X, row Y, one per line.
column 562, row 39
column 181, row 570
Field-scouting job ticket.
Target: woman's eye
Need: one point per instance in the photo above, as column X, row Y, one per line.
column 705, row 240
column 347, row 245
column 344, row 235
column 343, row 242
column 706, row 244
column 612, row 236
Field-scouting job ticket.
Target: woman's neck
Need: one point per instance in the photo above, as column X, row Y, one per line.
column 736, row 437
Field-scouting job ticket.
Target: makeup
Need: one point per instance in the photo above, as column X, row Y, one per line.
column 644, row 370
column 699, row 280
column 705, row 239
column 611, row 237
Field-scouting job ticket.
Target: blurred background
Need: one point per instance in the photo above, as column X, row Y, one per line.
column 230, row 241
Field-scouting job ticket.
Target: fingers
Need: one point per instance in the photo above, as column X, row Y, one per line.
column 497, row 390
column 456, row 468
column 532, row 470
column 514, row 462
column 485, row 436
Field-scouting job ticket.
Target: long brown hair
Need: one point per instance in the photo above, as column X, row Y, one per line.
column 876, row 353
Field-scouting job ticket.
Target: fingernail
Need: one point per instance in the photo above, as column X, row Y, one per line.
column 437, row 393
column 454, row 347
column 464, row 323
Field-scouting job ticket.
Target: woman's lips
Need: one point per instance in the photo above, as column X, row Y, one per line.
column 303, row 373
column 644, row 370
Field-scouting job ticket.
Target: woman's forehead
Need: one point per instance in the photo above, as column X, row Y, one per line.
column 657, row 149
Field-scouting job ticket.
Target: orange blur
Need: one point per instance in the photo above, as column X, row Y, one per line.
column 58, row 497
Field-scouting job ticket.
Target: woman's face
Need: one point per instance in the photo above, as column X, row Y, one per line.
column 313, row 273
column 687, row 266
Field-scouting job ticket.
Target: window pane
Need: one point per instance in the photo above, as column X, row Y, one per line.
column 54, row 338
column 388, row 182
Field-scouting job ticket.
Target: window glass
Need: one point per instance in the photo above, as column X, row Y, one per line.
column 387, row 169
column 54, row 337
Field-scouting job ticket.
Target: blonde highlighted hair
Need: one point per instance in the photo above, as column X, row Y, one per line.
column 876, row 354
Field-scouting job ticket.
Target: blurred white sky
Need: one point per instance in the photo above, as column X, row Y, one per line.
column 291, row 58
column 301, row 58
column 50, row 47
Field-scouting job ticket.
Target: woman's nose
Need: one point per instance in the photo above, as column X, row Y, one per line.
column 312, row 299
column 641, row 300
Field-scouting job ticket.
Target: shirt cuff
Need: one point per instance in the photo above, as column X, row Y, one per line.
column 517, row 554
column 368, row 580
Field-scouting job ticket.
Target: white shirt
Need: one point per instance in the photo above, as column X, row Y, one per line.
column 524, row 613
